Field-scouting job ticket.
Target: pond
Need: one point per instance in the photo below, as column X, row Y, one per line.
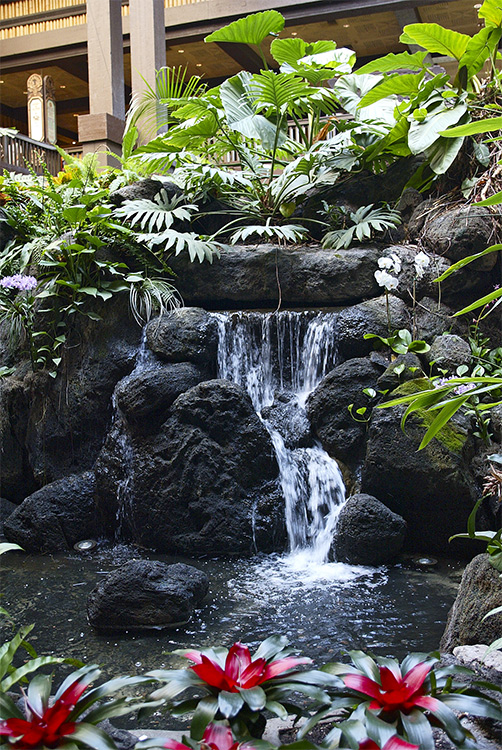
column 323, row 609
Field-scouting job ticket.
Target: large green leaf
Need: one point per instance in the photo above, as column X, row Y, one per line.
column 443, row 153
column 417, row 729
column 242, row 115
column 204, row 714
column 289, row 51
column 493, row 200
column 93, row 737
column 487, row 125
column 497, row 294
column 491, row 11
column 435, row 38
column 230, row 703
column 405, row 84
column 479, row 49
column 8, row 546
column 252, row 29
column 470, row 258
column 392, row 62
column 423, row 134
column 442, row 418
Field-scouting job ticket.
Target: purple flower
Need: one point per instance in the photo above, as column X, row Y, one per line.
column 19, row 281
column 463, row 388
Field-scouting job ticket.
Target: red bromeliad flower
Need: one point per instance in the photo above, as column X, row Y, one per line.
column 395, row 743
column 395, row 692
column 240, row 671
column 216, row 737
column 47, row 729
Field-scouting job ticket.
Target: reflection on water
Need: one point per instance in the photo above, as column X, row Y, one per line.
column 324, row 610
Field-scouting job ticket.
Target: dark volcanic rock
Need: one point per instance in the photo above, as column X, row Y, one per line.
column 150, row 392
column 309, row 276
column 480, row 591
column 327, row 408
column 432, row 489
column 189, row 334
column 403, row 368
column 54, row 518
column 291, row 421
column 6, row 508
column 205, row 482
column 144, row 189
column 455, row 232
column 367, row 532
column 51, row 428
column 146, row 594
column 448, row 352
column 369, row 317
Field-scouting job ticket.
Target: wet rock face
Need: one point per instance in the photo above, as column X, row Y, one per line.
column 55, row 517
column 327, row 408
column 371, row 316
column 432, row 489
column 145, row 594
column 448, row 352
column 186, row 335
column 367, row 532
column 205, row 482
column 480, row 591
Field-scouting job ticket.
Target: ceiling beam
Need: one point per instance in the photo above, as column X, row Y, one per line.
column 75, row 66
column 72, row 106
column 243, row 54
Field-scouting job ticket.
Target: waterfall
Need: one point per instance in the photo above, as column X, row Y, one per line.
column 144, row 361
column 279, row 358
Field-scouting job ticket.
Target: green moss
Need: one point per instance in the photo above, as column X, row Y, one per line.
column 450, row 436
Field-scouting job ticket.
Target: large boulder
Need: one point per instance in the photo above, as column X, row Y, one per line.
column 204, row 482
column 144, row 594
column 432, row 489
column 55, row 517
column 257, row 276
column 189, row 334
column 371, row 316
column 455, row 232
column 149, row 392
column 367, row 532
column 328, row 408
column 480, row 591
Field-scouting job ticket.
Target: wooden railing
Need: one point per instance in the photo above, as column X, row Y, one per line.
column 18, row 153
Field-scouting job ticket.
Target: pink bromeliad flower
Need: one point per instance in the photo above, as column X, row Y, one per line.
column 395, row 743
column 240, row 670
column 395, row 692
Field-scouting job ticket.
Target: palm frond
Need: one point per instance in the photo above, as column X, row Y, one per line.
column 157, row 214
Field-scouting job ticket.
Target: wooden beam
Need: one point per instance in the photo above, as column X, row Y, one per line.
column 75, row 66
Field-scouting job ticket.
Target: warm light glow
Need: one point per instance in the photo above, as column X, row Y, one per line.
column 346, row 25
column 181, row 50
column 62, row 86
column 198, row 65
column 294, row 33
column 2, row 81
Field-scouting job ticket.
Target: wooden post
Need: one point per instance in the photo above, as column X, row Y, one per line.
column 103, row 127
column 148, row 50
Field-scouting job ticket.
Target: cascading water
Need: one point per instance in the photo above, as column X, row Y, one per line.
column 280, row 358
column 144, row 361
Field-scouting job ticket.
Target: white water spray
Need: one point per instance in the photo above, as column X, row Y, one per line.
column 287, row 354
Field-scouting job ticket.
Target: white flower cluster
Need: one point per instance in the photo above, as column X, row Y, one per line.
column 421, row 262
column 388, row 263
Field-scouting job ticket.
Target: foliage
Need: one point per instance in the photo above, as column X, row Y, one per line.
column 411, row 697
column 366, row 221
column 217, row 736
column 493, row 539
column 401, row 342
column 231, row 684
column 57, row 724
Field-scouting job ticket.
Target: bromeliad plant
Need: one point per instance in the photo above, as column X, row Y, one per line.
column 59, row 724
column 232, row 684
column 412, row 696
column 217, row 736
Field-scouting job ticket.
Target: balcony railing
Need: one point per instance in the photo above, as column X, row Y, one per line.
column 18, row 153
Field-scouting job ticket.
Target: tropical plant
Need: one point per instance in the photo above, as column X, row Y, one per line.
column 57, row 724
column 493, row 539
column 366, row 221
column 233, row 685
column 400, row 342
column 411, row 697
column 217, row 736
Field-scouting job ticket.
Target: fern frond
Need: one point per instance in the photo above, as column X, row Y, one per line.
column 286, row 232
column 196, row 247
column 157, row 214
